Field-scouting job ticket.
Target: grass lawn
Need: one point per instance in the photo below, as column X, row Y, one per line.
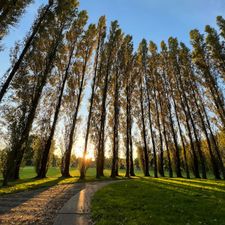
column 27, row 180
column 162, row 201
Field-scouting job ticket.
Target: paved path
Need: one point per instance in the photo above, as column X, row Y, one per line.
column 36, row 207
column 77, row 210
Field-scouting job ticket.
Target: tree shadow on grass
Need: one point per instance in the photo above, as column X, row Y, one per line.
column 185, row 186
column 204, row 182
column 33, row 183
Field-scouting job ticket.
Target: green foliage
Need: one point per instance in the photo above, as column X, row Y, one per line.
column 10, row 12
column 3, row 160
column 38, row 146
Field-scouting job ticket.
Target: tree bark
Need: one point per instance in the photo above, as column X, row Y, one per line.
column 65, row 172
column 177, row 153
column 146, row 169
column 100, row 154
column 179, row 125
column 212, row 158
column 83, row 167
column 212, row 137
column 170, row 170
column 132, row 173
column 128, row 125
column 183, row 145
column 152, row 134
column 44, row 161
column 115, row 126
column 188, row 117
column 161, row 169
column 198, row 144
column 44, row 76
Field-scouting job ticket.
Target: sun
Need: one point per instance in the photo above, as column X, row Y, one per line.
column 79, row 151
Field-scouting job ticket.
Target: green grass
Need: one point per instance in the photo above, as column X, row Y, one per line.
column 141, row 201
column 27, row 180
column 162, row 201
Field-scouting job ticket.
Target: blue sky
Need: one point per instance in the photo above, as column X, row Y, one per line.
column 157, row 19
column 151, row 19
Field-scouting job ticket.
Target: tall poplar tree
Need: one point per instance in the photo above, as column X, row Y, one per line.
column 100, row 38
column 110, row 53
column 85, row 53
column 45, row 14
column 142, row 57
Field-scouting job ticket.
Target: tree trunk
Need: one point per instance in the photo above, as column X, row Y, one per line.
column 115, row 126
column 127, row 136
column 132, row 173
column 198, row 143
column 101, row 155
column 177, row 153
column 183, row 145
column 146, row 170
column 65, row 172
column 83, row 167
column 44, row 161
column 170, row 170
column 212, row 157
column 215, row 145
column 48, row 68
column 188, row 117
column 16, row 172
column 212, row 137
column 161, row 169
column 152, row 135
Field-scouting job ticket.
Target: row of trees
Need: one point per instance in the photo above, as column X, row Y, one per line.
column 170, row 102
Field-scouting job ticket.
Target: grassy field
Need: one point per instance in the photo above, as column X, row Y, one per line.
column 162, row 201
column 27, row 180
column 141, row 201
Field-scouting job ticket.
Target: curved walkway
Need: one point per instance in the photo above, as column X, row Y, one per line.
column 77, row 210
column 38, row 206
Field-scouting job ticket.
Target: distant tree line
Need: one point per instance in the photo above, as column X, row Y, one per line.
column 166, row 102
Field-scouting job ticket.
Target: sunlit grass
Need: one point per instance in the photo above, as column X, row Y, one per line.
column 27, row 180
column 185, row 183
column 161, row 201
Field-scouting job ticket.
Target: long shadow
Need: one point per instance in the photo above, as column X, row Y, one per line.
column 207, row 182
column 89, row 179
column 8, row 201
column 183, row 187
column 34, row 183
column 194, row 184
column 12, row 200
